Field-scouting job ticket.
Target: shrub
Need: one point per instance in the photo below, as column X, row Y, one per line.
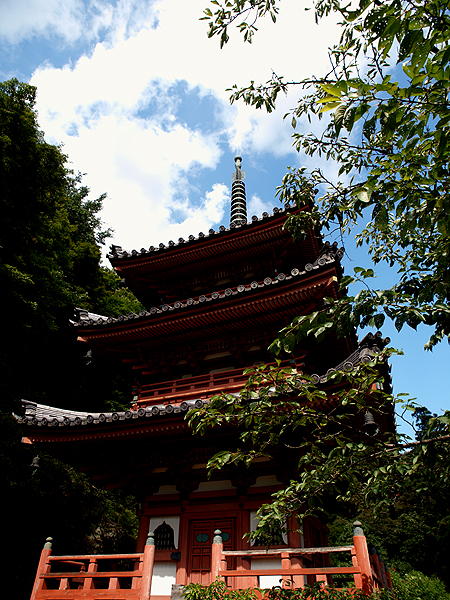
column 219, row 591
column 417, row 586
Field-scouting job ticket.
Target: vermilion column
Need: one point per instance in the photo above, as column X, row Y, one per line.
column 147, row 567
column 216, row 554
column 43, row 566
column 362, row 557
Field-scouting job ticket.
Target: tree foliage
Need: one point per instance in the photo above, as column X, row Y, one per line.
column 385, row 111
column 339, row 465
column 387, row 92
column 218, row 591
column 50, row 232
column 413, row 529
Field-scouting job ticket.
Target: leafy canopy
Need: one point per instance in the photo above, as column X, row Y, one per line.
column 50, row 232
column 385, row 112
column 387, row 93
column 338, row 466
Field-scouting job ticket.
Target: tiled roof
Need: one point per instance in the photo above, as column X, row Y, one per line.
column 118, row 253
column 328, row 256
column 51, row 417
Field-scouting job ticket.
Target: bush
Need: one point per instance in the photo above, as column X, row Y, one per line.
column 417, row 586
column 219, row 591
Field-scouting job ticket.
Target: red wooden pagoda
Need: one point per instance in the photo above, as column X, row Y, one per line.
column 214, row 302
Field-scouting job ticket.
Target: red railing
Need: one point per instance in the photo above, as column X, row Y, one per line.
column 196, row 387
column 86, row 578
column 368, row 573
column 89, row 579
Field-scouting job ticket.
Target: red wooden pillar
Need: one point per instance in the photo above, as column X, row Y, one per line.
column 295, row 540
column 147, row 567
column 362, row 557
column 144, row 526
column 246, row 562
column 356, row 576
column 92, row 568
column 43, row 566
column 376, row 566
column 216, row 555
column 287, row 582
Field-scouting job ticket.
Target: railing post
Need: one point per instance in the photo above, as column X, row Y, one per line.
column 362, row 556
column 376, row 566
column 382, row 571
column 356, row 576
column 286, row 564
column 137, row 580
column 43, row 566
column 388, row 578
column 89, row 583
column 113, row 583
column 216, row 554
column 64, row 583
column 147, row 567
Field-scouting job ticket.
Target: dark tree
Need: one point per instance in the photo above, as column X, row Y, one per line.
column 50, row 233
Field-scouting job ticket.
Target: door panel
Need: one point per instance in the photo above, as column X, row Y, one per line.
column 200, row 541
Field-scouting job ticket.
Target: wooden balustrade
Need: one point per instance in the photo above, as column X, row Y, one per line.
column 90, row 581
column 380, row 572
column 368, row 573
column 197, row 386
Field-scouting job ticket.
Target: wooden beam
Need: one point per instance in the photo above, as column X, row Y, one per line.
column 290, row 572
column 321, row 550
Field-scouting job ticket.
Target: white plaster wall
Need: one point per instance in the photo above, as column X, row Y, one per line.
column 212, row 486
column 164, row 490
column 163, row 577
column 266, row 480
column 173, row 521
column 267, row 581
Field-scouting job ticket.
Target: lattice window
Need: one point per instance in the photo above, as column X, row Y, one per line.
column 164, row 537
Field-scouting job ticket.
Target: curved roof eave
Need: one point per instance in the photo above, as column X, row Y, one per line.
column 118, row 256
column 47, row 419
column 170, row 314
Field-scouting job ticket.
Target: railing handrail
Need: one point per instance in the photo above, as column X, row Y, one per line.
column 361, row 567
column 62, row 558
column 140, row 573
column 193, row 379
column 290, row 572
column 88, row 575
column 199, row 379
column 319, row 550
column 191, row 394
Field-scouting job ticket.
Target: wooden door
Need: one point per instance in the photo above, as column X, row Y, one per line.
column 200, row 542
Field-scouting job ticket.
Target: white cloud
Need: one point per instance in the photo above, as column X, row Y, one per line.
column 143, row 168
column 116, row 110
column 256, row 206
column 73, row 20
column 20, row 19
column 200, row 218
column 178, row 50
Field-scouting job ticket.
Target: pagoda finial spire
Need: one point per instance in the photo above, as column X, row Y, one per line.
column 238, row 201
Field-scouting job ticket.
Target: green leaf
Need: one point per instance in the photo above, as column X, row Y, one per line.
column 339, row 118
column 331, row 89
column 329, row 106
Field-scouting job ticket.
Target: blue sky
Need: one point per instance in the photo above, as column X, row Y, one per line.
column 136, row 93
